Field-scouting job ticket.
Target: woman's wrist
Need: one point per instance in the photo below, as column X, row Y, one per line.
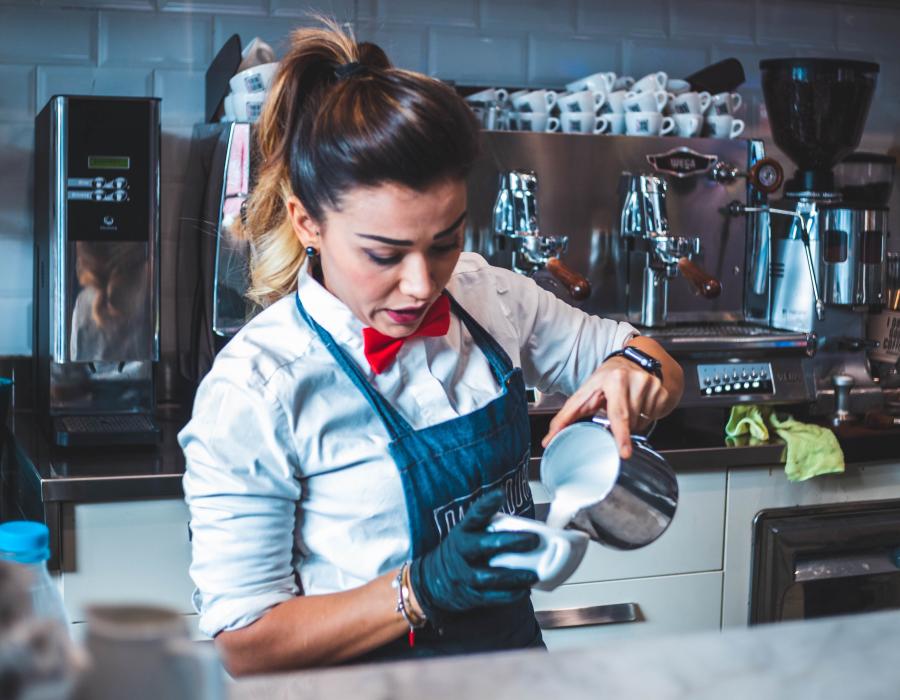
column 413, row 607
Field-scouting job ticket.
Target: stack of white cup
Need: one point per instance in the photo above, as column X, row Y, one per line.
column 531, row 110
column 699, row 113
column 249, row 89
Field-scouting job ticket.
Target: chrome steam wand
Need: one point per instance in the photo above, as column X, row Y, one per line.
column 516, row 219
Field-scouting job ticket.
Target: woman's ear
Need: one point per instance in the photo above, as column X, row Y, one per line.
column 305, row 228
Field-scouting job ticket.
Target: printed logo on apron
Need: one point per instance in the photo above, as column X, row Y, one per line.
column 514, row 484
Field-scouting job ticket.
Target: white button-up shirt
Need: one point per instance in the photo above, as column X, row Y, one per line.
column 288, row 478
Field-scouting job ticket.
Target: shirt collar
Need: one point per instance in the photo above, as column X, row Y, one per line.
column 328, row 311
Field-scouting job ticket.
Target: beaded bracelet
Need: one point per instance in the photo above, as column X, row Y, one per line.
column 401, row 583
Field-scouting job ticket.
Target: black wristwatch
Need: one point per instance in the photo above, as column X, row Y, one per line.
column 640, row 358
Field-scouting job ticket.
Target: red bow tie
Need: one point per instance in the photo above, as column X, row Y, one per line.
column 381, row 349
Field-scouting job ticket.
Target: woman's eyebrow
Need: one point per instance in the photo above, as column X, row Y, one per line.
column 402, row 242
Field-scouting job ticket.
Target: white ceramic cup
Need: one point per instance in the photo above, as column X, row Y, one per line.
column 145, row 653
column 555, row 558
column 513, row 96
column 598, row 82
column 536, row 101
column 248, row 106
column 581, row 122
column 651, row 82
column 724, row 126
column 613, row 123
column 690, row 103
column 648, row 124
column 228, row 106
column 687, row 125
column 582, row 101
column 489, row 95
column 645, row 101
column 253, row 79
column 537, row 121
column 623, row 82
column 725, row 103
column 614, row 103
column 678, row 86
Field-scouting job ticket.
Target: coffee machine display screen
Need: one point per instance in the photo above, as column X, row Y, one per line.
column 109, row 162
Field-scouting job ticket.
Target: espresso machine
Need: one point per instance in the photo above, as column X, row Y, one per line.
column 646, row 222
column 96, row 286
column 827, row 248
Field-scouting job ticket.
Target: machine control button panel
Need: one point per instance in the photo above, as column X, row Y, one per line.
column 97, row 189
column 735, row 378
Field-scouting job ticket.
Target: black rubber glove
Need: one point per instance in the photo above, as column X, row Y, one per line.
column 455, row 576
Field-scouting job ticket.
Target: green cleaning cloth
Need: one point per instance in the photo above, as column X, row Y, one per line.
column 810, row 449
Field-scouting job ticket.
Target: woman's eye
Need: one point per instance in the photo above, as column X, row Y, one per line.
column 440, row 249
column 384, row 260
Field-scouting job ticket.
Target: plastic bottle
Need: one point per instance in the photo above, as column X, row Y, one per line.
column 27, row 543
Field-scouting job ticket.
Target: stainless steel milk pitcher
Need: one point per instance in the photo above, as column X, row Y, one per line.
column 620, row 503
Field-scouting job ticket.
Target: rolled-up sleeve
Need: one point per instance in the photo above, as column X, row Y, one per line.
column 242, row 490
column 560, row 345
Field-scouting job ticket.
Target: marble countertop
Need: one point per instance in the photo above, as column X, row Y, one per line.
column 845, row 657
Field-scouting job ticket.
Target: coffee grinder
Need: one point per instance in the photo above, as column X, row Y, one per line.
column 827, row 265
column 96, row 287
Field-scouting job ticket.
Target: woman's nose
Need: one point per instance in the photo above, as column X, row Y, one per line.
column 416, row 279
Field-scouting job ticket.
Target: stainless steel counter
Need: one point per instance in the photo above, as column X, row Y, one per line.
column 37, row 479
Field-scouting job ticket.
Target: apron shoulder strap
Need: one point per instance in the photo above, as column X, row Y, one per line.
column 496, row 356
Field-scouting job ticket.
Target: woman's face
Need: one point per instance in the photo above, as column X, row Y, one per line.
column 389, row 252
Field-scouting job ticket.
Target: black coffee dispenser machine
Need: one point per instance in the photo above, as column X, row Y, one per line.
column 96, row 289
column 826, row 252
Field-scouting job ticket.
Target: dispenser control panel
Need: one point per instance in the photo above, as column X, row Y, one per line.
column 735, row 378
column 97, row 189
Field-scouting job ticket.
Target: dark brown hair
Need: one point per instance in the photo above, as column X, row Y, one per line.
column 340, row 116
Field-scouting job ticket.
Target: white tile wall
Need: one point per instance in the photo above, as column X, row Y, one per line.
column 163, row 47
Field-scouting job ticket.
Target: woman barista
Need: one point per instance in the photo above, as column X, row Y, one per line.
column 351, row 444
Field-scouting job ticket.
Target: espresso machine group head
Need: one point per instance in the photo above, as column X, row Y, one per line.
column 96, row 306
column 516, row 220
column 655, row 255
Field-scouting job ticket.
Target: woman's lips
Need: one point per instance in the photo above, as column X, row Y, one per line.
column 406, row 316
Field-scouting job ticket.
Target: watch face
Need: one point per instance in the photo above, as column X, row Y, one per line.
column 648, row 362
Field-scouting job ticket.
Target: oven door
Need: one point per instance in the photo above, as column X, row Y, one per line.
column 825, row 560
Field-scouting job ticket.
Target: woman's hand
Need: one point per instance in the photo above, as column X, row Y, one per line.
column 631, row 396
column 456, row 576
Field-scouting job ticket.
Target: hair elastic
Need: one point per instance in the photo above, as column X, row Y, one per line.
column 348, row 69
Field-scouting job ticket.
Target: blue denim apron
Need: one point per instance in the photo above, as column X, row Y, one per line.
column 444, row 468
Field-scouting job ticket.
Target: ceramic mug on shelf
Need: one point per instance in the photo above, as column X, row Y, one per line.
column 648, row 124
column 581, row 123
column 488, row 96
column 614, row 103
column 253, row 79
column 613, row 123
column 582, row 101
column 677, row 86
column 598, row 82
column 690, row 103
column 645, row 101
column 537, row 121
column 687, row 125
column 724, row 126
column 725, row 103
column 623, row 82
column 651, row 82
column 536, row 101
